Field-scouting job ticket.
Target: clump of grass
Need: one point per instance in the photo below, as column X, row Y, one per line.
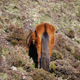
column 17, row 57
column 56, row 55
column 17, row 36
column 40, row 74
column 75, row 51
column 21, row 69
column 10, row 28
column 16, row 76
column 52, row 67
column 71, row 33
column 71, row 49
column 3, row 76
column 77, row 40
column 4, row 51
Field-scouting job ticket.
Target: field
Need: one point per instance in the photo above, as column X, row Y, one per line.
column 17, row 17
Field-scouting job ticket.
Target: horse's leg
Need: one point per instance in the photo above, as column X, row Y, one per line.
column 38, row 46
column 36, row 64
column 39, row 60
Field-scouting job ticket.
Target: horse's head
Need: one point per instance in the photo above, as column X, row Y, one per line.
column 30, row 37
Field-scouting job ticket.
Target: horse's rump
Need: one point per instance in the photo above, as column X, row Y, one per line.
column 45, row 40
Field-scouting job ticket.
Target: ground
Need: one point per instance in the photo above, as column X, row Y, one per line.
column 17, row 17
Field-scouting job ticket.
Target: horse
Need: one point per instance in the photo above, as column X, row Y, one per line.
column 40, row 44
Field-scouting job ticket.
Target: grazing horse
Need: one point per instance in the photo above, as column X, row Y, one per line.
column 40, row 44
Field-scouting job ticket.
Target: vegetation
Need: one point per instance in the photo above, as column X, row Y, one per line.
column 17, row 17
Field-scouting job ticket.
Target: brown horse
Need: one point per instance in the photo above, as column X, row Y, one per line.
column 40, row 44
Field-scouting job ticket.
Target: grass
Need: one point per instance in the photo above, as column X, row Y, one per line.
column 5, row 50
column 17, row 56
column 78, row 2
column 52, row 67
column 56, row 55
column 62, row 15
column 22, row 70
column 77, row 40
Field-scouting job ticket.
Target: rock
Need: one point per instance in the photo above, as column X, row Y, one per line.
column 13, row 68
column 27, row 78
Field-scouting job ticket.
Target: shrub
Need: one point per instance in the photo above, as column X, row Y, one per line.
column 17, row 36
column 18, row 57
column 52, row 67
column 40, row 74
column 56, row 55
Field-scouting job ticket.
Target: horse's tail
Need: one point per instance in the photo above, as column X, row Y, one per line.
column 45, row 50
